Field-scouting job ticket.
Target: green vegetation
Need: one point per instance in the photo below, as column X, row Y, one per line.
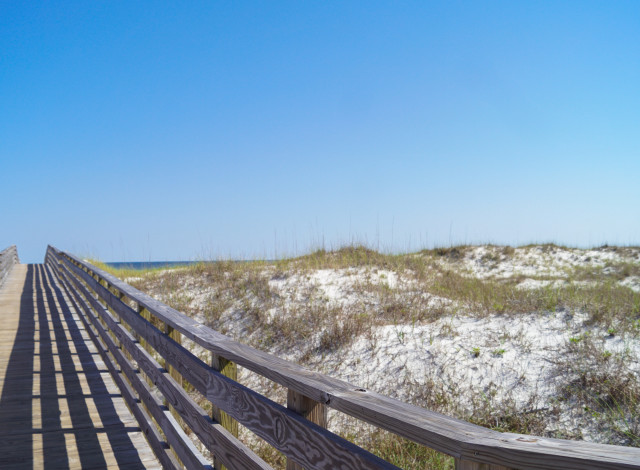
column 125, row 273
column 279, row 307
column 601, row 382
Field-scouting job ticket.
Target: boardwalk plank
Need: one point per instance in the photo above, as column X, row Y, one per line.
column 59, row 407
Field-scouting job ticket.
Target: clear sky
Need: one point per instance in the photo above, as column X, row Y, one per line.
column 182, row 130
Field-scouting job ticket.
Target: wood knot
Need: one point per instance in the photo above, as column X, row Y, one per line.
column 279, row 431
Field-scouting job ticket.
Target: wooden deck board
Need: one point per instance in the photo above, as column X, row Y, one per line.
column 59, row 407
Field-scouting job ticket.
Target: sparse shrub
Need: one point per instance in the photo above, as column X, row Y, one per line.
column 498, row 307
column 452, row 253
column 508, row 251
column 340, row 333
column 600, row 381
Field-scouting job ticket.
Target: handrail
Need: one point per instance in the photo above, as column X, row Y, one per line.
column 8, row 258
column 152, row 330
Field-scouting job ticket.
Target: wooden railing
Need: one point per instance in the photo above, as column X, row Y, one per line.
column 139, row 339
column 8, row 258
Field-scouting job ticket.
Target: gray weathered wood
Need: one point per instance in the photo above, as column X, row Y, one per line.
column 287, row 431
column 460, row 439
column 228, row 369
column 8, row 258
column 232, row 452
column 176, row 438
column 309, row 409
column 59, row 407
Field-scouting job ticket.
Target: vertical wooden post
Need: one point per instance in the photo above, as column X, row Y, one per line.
column 470, row 465
column 177, row 337
column 144, row 313
column 228, row 369
column 173, row 372
column 104, row 284
column 314, row 411
column 118, row 294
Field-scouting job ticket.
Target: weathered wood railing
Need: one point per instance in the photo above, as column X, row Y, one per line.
column 139, row 340
column 8, row 258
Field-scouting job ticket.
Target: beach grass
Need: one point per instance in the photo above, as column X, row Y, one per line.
column 277, row 306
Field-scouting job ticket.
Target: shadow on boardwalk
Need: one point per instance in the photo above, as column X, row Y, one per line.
column 56, row 410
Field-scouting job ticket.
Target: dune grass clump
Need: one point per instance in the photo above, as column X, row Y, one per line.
column 599, row 381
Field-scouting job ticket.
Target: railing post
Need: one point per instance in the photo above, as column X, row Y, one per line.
column 127, row 354
column 118, row 294
column 144, row 313
column 228, row 369
column 314, row 411
column 177, row 337
column 173, row 372
column 103, row 283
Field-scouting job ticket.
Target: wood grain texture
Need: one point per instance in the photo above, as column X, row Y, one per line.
column 228, row 369
column 178, row 441
column 232, row 452
column 460, row 439
column 155, row 440
column 177, row 337
column 288, row 432
column 308, row 409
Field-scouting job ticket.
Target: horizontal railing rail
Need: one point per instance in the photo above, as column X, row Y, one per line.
column 8, row 258
column 139, row 339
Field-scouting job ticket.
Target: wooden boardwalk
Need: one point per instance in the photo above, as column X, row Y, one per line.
column 59, row 407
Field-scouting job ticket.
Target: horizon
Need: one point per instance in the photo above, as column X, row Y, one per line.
column 334, row 249
column 160, row 131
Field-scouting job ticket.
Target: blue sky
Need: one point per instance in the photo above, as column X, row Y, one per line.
column 183, row 130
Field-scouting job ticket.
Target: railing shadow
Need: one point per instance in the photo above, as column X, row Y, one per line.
column 124, row 450
column 16, row 442
column 56, row 410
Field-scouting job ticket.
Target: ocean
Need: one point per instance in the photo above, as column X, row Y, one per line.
column 151, row 264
